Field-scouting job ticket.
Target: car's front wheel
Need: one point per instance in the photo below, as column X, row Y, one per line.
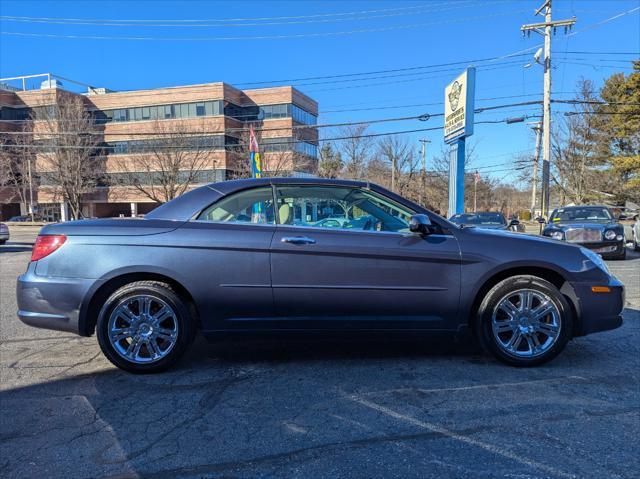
column 524, row 321
column 145, row 327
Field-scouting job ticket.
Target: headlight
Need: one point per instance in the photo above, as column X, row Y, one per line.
column 557, row 235
column 595, row 259
column 610, row 234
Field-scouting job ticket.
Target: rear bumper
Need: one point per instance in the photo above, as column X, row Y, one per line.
column 51, row 303
column 598, row 311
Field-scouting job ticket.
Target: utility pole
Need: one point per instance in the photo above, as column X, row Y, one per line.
column 424, row 170
column 537, row 127
column 475, row 194
column 30, row 189
column 393, row 173
column 545, row 28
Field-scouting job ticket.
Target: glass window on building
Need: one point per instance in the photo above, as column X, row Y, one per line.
column 302, row 116
column 146, row 113
column 200, row 110
column 213, row 107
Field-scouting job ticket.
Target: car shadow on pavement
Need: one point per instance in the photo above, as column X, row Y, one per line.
column 331, row 347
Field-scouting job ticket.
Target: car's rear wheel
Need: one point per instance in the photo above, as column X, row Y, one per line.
column 145, row 327
column 524, row 321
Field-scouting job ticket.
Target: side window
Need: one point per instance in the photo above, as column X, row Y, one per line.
column 249, row 206
column 341, row 208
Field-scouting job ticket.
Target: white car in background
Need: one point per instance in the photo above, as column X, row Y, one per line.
column 4, row 233
column 635, row 232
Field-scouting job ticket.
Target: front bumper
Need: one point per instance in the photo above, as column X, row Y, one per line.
column 598, row 311
column 605, row 248
column 51, row 303
column 4, row 236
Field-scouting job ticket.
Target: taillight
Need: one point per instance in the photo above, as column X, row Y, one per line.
column 45, row 245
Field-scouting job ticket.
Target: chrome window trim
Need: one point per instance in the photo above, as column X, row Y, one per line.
column 348, row 230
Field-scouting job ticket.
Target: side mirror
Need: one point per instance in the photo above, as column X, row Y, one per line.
column 540, row 220
column 420, row 224
column 513, row 222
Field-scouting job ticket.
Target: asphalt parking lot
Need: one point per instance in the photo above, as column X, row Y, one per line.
column 312, row 409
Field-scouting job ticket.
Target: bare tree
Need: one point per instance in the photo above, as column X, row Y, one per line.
column 68, row 156
column 355, row 150
column 330, row 163
column 16, row 161
column 400, row 156
column 576, row 160
column 168, row 163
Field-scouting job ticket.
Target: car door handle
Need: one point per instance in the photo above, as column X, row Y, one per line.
column 298, row 240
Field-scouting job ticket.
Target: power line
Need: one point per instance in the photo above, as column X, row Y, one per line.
column 415, row 10
column 603, row 53
column 603, row 22
column 377, row 72
column 423, row 117
column 320, row 15
column 293, row 81
column 483, row 68
column 263, row 37
column 596, row 67
column 237, row 145
column 480, row 67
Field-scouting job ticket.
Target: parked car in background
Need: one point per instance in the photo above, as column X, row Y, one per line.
column 24, row 218
column 593, row 227
column 4, row 233
column 635, row 232
column 487, row 219
column 245, row 256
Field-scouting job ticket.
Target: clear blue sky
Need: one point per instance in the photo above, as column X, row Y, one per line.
column 324, row 41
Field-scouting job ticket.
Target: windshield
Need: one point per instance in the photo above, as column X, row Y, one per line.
column 581, row 214
column 479, row 219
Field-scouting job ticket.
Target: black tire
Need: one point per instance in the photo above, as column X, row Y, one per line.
column 483, row 320
column 623, row 255
column 183, row 314
column 2, row 242
column 636, row 245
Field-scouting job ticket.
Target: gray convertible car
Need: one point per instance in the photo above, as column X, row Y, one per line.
column 254, row 256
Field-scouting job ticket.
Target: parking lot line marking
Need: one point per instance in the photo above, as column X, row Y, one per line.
column 478, row 386
column 464, row 439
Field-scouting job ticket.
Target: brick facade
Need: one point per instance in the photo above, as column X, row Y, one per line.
column 151, row 114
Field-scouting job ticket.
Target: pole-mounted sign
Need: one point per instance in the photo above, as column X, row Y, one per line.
column 458, row 124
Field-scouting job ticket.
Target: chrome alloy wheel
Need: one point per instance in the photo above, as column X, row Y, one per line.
column 143, row 328
column 526, row 323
